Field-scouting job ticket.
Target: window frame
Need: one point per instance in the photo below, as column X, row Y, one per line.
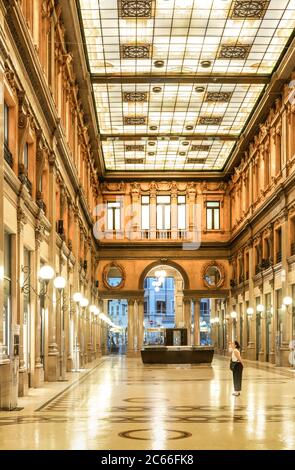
column 113, row 210
column 212, row 211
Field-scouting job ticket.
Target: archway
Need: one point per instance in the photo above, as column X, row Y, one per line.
column 166, row 264
column 163, row 288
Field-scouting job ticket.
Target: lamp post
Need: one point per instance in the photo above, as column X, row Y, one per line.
column 60, row 284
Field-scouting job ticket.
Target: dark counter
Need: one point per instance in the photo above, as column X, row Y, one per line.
column 177, row 354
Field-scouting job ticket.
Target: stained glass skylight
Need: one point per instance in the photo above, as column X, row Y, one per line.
column 145, row 39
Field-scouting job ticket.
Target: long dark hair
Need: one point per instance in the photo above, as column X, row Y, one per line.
column 237, row 345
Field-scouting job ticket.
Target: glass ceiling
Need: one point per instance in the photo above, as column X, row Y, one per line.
column 141, row 39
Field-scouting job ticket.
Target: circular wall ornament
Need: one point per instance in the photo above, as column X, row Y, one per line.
column 113, row 276
column 213, row 275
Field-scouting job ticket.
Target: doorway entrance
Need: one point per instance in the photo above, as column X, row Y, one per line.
column 163, row 303
column 117, row 335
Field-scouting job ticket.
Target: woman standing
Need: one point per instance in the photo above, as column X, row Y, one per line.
column 237, row 368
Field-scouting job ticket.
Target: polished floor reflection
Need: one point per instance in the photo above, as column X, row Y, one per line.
column 122, row 404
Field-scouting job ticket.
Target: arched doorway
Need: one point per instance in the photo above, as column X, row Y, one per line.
column 163, row 302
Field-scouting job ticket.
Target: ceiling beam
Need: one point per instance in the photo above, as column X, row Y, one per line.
column 131, row 137
column 180, row 78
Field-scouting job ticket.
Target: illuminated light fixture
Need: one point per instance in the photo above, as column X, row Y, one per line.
column 200, row 89
column 250, row 311
column 97, row 311
column 84, row 302
column 182, row 154
column 157, row 289
column 206, row 63
column 151, row 154
column 211, row 321
column 151, row 143
column 153, row 128
column 260, row 308
column 216, row 320
column 154, row 283
column 287, row 300
column 46, row 273
column 185, row 143
column 92, row 308
column 77, row 297
column 233, row 315
column 189, row 128
column 159, row 63
column 157, row 89
column 59, row 282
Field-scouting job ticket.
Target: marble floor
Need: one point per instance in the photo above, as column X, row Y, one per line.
column 123, row 404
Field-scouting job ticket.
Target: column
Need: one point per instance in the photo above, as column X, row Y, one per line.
column 88, row 336
column 51, row 364
column 35, row 260
column 252, row 330
column 98, row 331
column 262, row 352
column 135, row 225
column 131, row 328
column 287, row 313
column 153, row 214
column 197, row 311
column 251, row 186
column 104, row 328
column 174, row 234
column 140, row 340
column 69, row 330
column 187, row 319
column 191, row 196
column 18, row 256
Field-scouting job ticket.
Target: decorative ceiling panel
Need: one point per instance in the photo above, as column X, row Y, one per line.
column 249, row 9
column 135, row 96
column 135, row 51
column 136, row 8
column 151, row 39
column 166, row 155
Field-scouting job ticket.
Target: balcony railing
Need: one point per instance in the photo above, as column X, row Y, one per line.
column 293, row 248
column 181, row 234
column 145, row 234
column 257, row 268
column 279, row 257
column 163, row 234
column 8, row 155
column 265, row 263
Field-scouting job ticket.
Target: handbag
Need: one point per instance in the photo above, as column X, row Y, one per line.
column 232, row 365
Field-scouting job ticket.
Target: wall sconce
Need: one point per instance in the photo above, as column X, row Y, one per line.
column 287, row 300
column 59, row 283
column 77, row 296
column 84, row 302
column 234, row 315
column 260, row 308
column 45, row 274
column 250, row 311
